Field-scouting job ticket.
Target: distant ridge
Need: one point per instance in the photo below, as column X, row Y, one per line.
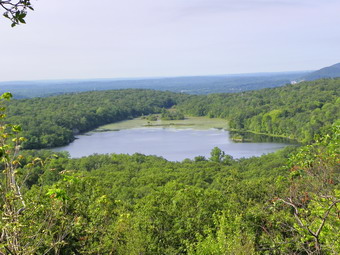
column 189, row 84
column 326, row 72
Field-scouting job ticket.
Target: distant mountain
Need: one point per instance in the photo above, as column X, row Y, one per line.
column 190, row 85
column 326, row 72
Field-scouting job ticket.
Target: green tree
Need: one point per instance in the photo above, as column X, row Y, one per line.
column 16, row 10
column 33, row 223
column 216, row 155
column 12, row 201
column 219, row 156
column 314, row 194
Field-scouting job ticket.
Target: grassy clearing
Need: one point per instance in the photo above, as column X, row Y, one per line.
column 188, row 122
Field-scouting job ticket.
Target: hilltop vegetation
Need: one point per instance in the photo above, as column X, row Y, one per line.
column 53, row 121
column 281, row 203
column 121, row 204
column 332, row 71
column 296, row 111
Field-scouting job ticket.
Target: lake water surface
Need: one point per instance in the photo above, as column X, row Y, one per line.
column 171, row 143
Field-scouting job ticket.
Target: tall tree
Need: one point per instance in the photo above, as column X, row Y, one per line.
column 314, row 194
column 29, row 225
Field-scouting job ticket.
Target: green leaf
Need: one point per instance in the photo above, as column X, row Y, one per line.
column 16, row 128
column 7, row 95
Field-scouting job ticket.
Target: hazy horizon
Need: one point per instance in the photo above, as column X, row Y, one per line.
column 158, row 77
column 65, row 40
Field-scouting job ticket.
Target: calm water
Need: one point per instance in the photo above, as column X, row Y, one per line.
column 172, row 144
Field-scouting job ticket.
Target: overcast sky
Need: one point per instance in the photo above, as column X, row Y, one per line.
column 65, row 39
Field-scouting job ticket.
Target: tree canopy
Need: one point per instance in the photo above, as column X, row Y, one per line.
column 281, row 203
column 297, row 111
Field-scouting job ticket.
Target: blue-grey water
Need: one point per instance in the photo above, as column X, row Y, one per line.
column 172, row 144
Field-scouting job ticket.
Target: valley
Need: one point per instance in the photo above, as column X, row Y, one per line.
column 202, row 127
column 147, row 173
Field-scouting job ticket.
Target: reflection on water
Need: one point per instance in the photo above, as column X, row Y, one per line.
column 172, row 144
column 257, row 138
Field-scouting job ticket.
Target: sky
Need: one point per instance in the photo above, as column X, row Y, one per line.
column 83, row 39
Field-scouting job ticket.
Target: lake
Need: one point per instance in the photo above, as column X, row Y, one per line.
column 171, row 142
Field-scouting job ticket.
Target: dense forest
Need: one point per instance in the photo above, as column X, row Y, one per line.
column 281, row 203
column 297, row 111
column 54, row 121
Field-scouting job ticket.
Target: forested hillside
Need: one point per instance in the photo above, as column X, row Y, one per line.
column 281, row 203
column 297, row 111
column 332, row 71
column 53, row 121
column 120, row 204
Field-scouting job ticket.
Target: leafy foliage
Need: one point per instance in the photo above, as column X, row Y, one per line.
column 16, row 10
column 27, row 225
column 281, row 203
column 297, row 111
column 53, row 121
column 314, row 193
